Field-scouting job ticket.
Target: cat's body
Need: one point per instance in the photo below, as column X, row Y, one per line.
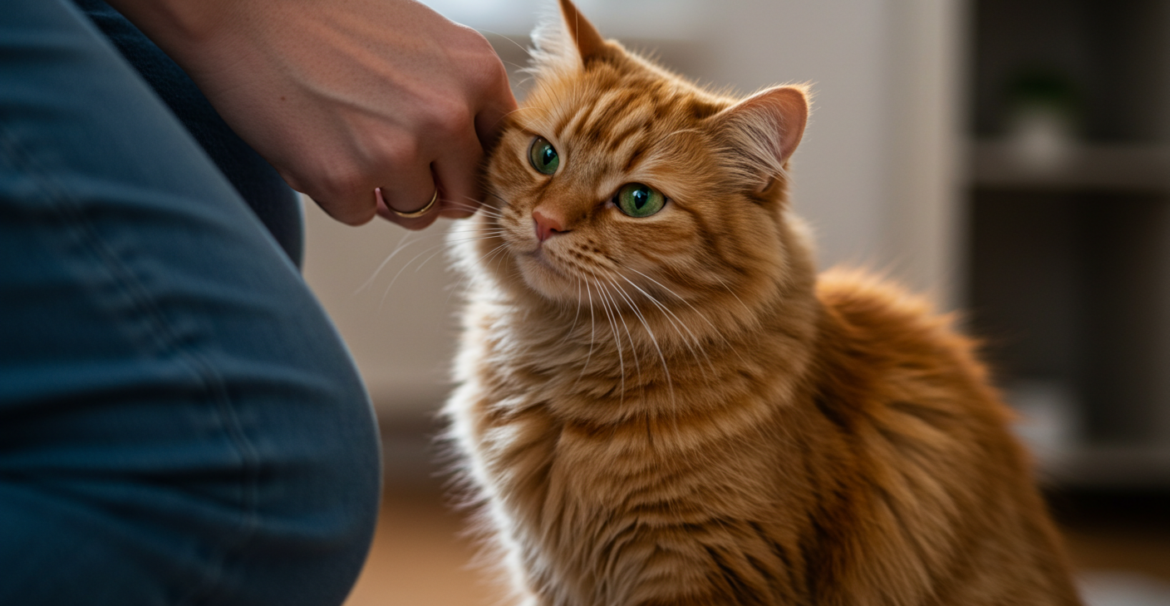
column 672, row 409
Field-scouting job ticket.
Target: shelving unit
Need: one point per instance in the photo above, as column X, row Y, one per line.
column 1069, row 258
column 1102, row 168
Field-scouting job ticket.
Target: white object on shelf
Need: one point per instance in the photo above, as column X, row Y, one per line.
column 1123, row 589
column 1049, row 422
column 1113, row 167
column 1042, row 140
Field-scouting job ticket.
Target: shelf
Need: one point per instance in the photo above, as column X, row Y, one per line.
column 1105, row 466
column 1114, row 168
column 1051, row 423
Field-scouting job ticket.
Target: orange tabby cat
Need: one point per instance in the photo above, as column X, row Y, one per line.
column 662, row 404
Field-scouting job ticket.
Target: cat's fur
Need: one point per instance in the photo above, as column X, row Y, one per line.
column 675, row 410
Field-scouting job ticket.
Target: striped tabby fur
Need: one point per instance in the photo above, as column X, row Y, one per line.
column 675, row 410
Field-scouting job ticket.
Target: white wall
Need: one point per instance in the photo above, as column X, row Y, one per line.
column 875, row 174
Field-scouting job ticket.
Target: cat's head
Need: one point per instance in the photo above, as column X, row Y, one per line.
column 618, row 179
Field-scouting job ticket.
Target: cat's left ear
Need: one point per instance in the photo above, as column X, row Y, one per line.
column 765, row 129
column 570, row 40
column 586, row 38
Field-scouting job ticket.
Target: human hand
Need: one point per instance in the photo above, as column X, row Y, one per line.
column 346, row 96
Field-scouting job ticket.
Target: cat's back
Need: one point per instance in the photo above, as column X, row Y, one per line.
column 929, row 473
column 879, row 346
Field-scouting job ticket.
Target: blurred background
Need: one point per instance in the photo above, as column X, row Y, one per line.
column 1011, row 159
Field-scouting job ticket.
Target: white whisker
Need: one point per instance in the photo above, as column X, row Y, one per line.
column 402, row 244
column 616, row 336
column 399, row 273
column 569, row 332
column 592, row 336
column 629, row 336
column 679, row 326
column 684, row 302
column 653, row 339
column 509, row 39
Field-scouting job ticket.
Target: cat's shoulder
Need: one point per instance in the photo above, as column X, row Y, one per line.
column 892, row 342
column 869, row 307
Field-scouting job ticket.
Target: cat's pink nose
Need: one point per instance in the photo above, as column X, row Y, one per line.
column 547, row 224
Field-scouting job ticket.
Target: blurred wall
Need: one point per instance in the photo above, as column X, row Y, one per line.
column 876, row 174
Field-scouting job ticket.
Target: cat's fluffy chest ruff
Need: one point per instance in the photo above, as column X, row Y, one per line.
column 589, row 452
column 630, row 492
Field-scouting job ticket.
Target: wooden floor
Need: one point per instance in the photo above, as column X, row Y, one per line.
column 422, row 557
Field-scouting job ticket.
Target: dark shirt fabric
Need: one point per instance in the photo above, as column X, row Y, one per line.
column 257, row 182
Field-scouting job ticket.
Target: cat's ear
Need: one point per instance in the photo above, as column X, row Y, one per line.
column 570, row 41
column 586, row 38
column 764, row 129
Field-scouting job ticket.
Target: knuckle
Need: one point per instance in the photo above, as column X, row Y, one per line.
column 347, row 211
column 399, row 152
column 458, row 120
column 443, row 121
column 355, row 217
column 344, row 193
column 484, row 69
column 490, row 74
column 342, row 182
column 476, row 43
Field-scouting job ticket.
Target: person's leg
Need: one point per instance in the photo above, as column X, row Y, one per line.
column 257, row 182
column 179, row 421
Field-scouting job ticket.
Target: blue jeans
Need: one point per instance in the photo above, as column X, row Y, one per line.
column 179, row 421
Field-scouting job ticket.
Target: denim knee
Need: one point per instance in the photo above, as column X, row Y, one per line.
column 179, row 421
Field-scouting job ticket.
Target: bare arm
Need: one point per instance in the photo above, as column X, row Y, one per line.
column 346, row 95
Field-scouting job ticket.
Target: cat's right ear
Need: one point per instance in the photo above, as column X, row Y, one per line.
column 570, row 41
column 763, row 131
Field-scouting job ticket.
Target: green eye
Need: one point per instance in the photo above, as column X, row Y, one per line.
column 637, row 200
column 543, row 156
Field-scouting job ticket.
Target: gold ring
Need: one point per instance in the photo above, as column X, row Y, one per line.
column 420, row 212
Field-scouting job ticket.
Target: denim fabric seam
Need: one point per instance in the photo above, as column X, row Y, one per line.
column 73, row 218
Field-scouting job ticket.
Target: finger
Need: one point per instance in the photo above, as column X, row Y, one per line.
column 457, row 168
column 412, row 223
column 405, row 192
column 351, row 208
column 491, row 119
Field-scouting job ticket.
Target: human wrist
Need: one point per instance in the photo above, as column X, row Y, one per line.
column 177, row 23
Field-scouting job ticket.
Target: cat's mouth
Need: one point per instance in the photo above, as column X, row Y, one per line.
column 541, row 258
column 545, row 275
